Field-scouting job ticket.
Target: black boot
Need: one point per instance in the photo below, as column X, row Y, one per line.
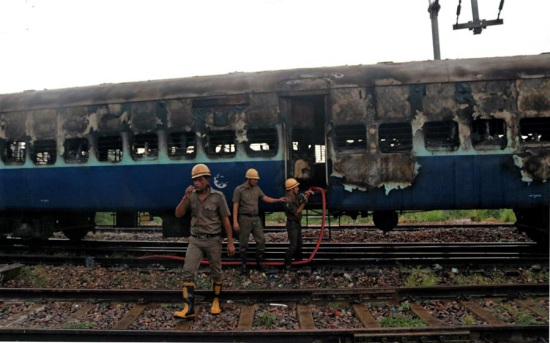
column 259, row 261
column 244, row 267
column 188, row 311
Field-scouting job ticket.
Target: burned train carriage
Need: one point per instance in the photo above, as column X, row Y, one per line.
column 385, row 138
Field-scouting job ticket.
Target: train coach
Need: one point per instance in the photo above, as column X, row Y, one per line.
column 381, row 139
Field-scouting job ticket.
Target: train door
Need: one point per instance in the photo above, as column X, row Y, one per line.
column 305, row 132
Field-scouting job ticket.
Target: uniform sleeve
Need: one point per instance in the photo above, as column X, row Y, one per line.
column 261, row 194
column 237, row 194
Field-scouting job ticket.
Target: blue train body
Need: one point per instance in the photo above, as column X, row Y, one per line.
column 455, row 134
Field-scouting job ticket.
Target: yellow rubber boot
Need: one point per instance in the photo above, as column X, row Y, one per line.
column 216, row 302
column 188, row 311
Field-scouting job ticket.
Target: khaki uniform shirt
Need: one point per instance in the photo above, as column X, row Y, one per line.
column 248, row 197
column 206, row 216
column 291, row 209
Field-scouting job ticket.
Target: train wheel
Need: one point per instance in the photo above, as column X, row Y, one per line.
column 535, row 223
column 76, row 234
column 385, row 220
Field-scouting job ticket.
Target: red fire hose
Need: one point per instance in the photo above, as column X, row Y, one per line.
column 237, row 263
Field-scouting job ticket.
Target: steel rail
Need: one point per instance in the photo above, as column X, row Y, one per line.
column 431, row 333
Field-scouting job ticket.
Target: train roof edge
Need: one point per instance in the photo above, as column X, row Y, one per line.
column 381, row 74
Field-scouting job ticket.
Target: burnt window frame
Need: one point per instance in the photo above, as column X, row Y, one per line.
column 542, row 126
column 139, row 141
column 118, row 156
column 21, row 155
column 400, row 133
column 76, row 150
column 43, row 152
column 487, row 141
column 178, row 149
column 441, row 135
column 257, row 136
column 358, row 135
column 215, row 138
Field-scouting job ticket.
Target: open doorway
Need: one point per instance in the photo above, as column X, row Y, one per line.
column 306, row 133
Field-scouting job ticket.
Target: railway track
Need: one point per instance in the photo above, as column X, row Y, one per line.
column 333, row 226
column 320, row 315
column 141, row 253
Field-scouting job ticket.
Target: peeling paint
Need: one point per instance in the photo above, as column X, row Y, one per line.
column 375, row 171
column 388, row 187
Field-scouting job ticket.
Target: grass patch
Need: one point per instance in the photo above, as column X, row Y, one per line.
column 522, row 317
column 401, row 320
column 468, row 320
column 82, row 325
column 266, row 319
column 422, row 277
column 34, row 276
column 492, row 216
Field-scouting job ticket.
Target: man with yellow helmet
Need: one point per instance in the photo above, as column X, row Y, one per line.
column 293, row 207
column 209, row 212
column 246, row 219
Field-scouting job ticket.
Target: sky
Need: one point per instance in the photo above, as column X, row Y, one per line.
column 50, row 44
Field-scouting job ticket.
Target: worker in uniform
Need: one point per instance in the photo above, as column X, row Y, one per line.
column 293, row 207
column 246, row 219
column 209, row 212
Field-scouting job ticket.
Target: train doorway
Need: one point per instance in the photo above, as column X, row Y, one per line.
column 306, row 160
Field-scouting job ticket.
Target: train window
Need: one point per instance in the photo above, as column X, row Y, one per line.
column 109, row 148
column 395, row 137
column 535, row 130
column 261, row 142
column 77, row 150
column 13, row 151
column 489, row 134
column 182, row 145
column 221, row 143
column 350, row 137
column 44, row 152
column 441, row 135
column 145, row 146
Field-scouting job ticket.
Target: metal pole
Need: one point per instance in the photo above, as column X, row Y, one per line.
column 434, row 10
column 475, row 16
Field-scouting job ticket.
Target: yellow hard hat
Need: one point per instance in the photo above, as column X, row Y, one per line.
column 252, row 174
column 200, row 170
column 291, row 183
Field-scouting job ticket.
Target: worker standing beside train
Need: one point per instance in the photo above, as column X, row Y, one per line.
column 246, row 219
column 209, row 212
column 294, row 205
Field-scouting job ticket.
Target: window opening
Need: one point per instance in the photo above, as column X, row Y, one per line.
column 441, row 135
column 350, row 137
column 302, row 141
column 395, row 137
column 489, row 134
column 221, row 143
column 182, row 145
column 145, row 146
column 13, row 151
column 77, row 150
column 44, row 152
column 320, row 154
column 261, row 142
column 535, row 130
column 109, row 148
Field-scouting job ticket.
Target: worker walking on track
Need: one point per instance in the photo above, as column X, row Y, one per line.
column 209, row 212
column 294, row 205
column 246, row 219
